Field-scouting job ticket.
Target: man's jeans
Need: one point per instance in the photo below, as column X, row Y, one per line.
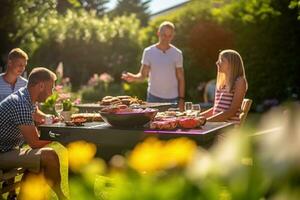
column 152, row 98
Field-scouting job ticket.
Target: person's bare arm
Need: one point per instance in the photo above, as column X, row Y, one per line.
column 181, row 87
column 240, row 91
column 208, row 113
column 141, row 76
column 30, row 134
column 39, row 116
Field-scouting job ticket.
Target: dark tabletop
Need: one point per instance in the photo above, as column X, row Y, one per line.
column 120, row 139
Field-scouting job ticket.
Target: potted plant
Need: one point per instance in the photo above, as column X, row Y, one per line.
column 48, row 106
column 67, row 107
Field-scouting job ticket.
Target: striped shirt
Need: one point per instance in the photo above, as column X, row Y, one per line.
column 15, row 110
column 7, row 89
column 223, row 100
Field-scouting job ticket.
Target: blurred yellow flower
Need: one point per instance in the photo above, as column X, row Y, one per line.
column 80, row 154
column 34, row 188
column 179, row 152
column 146, row 156
column 153, row 155
column 126, row 86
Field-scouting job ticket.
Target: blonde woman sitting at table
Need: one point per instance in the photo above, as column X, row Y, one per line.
column 231, row 88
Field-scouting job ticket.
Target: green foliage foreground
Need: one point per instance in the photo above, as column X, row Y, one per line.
column 240, row 166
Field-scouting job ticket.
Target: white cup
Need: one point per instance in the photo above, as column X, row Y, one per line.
column 48, row 119
column 188, row 106
column 196, row 107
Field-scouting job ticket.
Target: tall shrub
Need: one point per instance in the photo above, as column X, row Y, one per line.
column 265, row 32
column 87, row 45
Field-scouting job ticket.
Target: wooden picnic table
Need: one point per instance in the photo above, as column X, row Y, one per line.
column 112, row 140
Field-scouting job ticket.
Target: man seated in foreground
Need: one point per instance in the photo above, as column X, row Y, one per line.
column 17, row 127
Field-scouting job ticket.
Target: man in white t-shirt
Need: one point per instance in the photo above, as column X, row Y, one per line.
column 163, row 64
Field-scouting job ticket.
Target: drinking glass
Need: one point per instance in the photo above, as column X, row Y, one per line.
column 196, row 107
column 188, row 106
column 59, row 109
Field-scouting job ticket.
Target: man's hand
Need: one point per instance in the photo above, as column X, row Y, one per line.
column 143, row 73
column 129, row 77
column 181, row 105
column 31, row 136
column 38, row 117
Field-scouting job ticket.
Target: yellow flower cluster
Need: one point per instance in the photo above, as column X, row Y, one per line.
column 35, row 188
column 80, row 154
column 154, row 155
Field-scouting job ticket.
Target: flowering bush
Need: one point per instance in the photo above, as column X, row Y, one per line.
column 100, row 85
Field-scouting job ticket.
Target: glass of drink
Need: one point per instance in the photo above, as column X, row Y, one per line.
column 188, row 106
column 59, row 109
column 196, row 107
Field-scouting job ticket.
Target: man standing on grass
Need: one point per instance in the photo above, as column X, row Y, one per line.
column 163, row 64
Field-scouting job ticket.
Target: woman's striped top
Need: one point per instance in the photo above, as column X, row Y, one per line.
column 223, row 100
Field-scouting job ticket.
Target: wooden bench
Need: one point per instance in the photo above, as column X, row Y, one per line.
column 8, row 182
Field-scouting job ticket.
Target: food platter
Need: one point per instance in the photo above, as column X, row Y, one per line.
column 124, row 116
column 170, row 120
column 76, row 122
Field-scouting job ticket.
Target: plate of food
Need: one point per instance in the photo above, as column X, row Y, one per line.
column 183, row 122
column 90, row 117
column 76, row 121
column 124, row 116
column 117, row 100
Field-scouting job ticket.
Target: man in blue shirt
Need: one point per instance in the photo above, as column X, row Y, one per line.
column 11, row 80
column 17, row 127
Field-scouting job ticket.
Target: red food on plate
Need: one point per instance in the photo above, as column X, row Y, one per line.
column 188, row 123
column 79, row 120
column 164, row 125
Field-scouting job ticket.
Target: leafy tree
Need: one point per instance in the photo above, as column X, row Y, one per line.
column 22, row 23
column 88, row 45
column 265, row 32
column 6, row 21
column 85, row 43
column 97, row 6
column 138, row 7
column 295, row 4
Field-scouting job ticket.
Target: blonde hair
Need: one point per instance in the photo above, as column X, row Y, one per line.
column 40, row 74
column 236, row 69
column 17, row 53
column 166, row 24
